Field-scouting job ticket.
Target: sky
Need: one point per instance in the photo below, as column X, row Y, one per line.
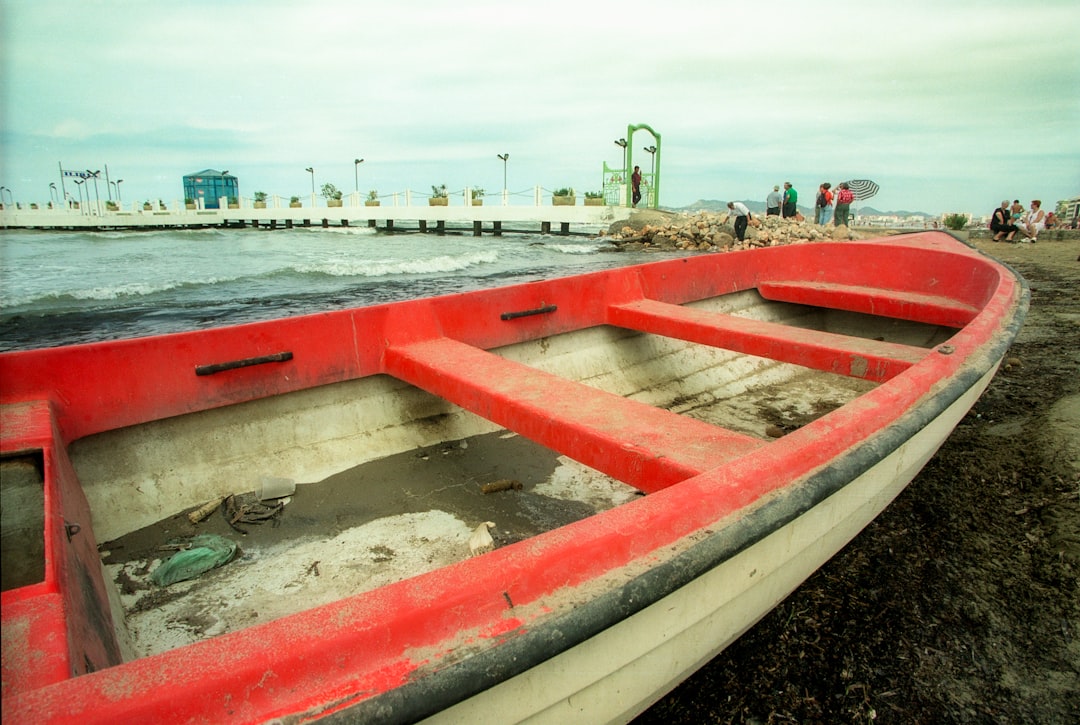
column 948, row 106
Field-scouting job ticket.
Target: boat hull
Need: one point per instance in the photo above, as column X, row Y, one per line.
column 592, row 620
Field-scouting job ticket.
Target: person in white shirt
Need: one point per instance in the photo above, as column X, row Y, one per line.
column 742, row 217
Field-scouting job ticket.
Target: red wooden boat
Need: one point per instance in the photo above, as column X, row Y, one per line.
column 667, row 382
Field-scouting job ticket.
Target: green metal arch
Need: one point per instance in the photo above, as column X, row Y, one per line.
column 655, row 174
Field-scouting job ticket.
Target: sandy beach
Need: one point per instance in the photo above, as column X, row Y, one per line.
column 961, row 602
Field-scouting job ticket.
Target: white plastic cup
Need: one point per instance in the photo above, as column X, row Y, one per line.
column 274, row 487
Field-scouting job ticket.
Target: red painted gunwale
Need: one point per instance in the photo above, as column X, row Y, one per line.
column 328, row 658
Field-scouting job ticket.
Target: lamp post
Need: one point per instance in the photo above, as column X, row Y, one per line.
column 623, row 144
column 94, row 175
column 651, row 150
column 505, row 157
column 356, row 174
column 118, row 198
column 311, row 170
column 79, row 185
column 53, row 194
column 2, row 190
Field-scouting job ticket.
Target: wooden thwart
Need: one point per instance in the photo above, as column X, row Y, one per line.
column 646, row 447
column 853, row 356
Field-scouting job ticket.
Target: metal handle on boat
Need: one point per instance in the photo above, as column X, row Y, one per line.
column 545, row 309
column 248, row 362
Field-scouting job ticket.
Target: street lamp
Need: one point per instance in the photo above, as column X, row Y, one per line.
column 94, row 175
column 505, row 157
column 2, row 190
column 311, row 170
column 356, row 174
column 652, row 150
column 623, row 144
column 53, row 194
column 118, row 182
column 79, row 185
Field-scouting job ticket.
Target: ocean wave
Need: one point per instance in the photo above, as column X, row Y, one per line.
column 572, row 248
column 112, row 293
column 395, row 267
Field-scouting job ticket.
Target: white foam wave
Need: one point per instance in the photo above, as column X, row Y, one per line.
column 392, row 267
column 573, row 248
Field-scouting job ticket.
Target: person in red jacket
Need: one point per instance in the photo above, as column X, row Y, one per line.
column 844, row 197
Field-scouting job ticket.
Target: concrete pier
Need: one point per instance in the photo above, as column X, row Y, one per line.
column 477, row 220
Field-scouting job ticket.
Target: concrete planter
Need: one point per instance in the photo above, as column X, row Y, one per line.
column 594, row 201
column 564, row 200
column 438, row 201
column 372, row 202
column 295, row 205
column 333, row 202
column 477, row 202
column 259, row 204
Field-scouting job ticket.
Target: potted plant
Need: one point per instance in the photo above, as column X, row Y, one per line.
column 477, row 197
column 294, row 202
column 189, row 203
column 147, row 206
column 438, row 196
column 372, row 198
column 955, row 222
column 260, row 199
column 594, row 198
column 161, row 204
column 234, row 203
column 563, row 197
column 331, row 194
column 111, row 206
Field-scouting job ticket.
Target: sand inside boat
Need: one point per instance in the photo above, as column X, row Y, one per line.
column 403, row 514
column 389, row 519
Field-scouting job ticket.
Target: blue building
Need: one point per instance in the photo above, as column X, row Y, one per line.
column 209, row 185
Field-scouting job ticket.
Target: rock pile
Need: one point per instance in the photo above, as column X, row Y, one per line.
column 714, row 232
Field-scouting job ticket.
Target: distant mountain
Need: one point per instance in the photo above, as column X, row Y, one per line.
column 758, row 207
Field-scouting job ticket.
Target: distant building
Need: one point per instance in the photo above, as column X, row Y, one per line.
column 209, row 185
column 1068, row 213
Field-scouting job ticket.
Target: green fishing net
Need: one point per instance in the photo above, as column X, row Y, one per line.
column 208, row 551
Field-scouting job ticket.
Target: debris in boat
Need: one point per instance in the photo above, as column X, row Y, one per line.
column 205, row 510
column 480, row 540
column 774, row 431
column 206, row 552
column 247, row 509
column 503, row 484
column 274, row 487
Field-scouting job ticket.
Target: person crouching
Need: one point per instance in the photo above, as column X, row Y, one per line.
column 742, row 218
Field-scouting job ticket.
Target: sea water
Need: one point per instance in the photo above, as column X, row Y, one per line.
column 65, row 287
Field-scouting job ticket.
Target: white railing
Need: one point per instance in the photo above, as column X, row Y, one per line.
column 537, row 196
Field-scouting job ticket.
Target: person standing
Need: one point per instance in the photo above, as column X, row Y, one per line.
column 635, row 185
column 742, row 217
column 791, row 201
column 1001, row 223
column 844, row 198
column 823, row 204
column 773, row 202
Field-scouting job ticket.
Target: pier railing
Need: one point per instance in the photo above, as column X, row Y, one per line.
column 462, row 207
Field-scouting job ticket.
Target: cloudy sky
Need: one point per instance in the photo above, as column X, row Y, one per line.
column 949, row 106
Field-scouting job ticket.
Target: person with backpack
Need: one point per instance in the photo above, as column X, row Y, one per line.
column 823, row 204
